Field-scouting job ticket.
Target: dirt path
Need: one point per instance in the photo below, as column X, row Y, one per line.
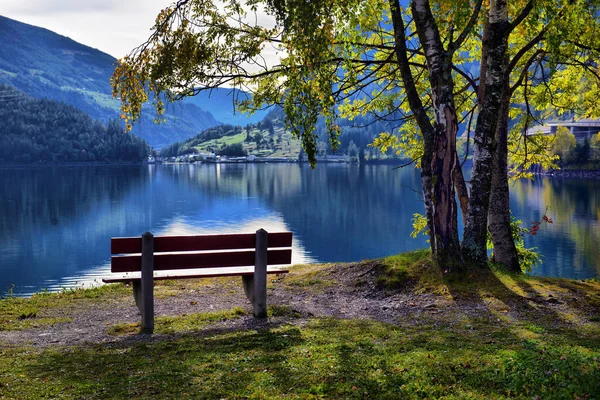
column 342, row 291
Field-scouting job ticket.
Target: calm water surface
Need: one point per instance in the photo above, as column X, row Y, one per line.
column 55, row 222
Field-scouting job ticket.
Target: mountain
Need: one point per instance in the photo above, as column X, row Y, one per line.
column 44, row 64
column 265, row 138
column 269, row 138
column 220, row 103
column 43, row 130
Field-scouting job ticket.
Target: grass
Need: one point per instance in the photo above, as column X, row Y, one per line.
column 514, row 341
column 8, row 73
column 184, row 323
column 173, row 288
column 280, row 150
column 414, row 269
column 326, row 358
column 308, row 278
column 197, row 321
column 104, row 100
column 18, row 313
column 227, row 140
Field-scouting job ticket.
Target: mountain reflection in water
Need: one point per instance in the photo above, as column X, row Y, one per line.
column 55, row 222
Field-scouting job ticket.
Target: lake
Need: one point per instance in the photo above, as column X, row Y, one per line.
column 56, row 222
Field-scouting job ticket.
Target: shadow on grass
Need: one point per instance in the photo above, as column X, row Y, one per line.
column 327, row 357
column 214, row 366
column 500, row 338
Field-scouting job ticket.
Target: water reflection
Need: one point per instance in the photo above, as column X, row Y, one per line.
column 55, row 223
column 570, row 246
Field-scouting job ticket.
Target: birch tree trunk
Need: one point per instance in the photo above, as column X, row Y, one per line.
column 438, row 161
column 416, row 106
column 461, row 190
column 443, row 160
column 475, row 237
column 505, row 251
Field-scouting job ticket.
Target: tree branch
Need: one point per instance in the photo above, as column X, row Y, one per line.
column 467, row 77
column 522, row 15
column 525, row 69
column 538, row 38
column 412, row 94
column 455, row 45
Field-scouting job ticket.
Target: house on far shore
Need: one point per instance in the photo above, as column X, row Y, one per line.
column 206, row 156
column 582, row 129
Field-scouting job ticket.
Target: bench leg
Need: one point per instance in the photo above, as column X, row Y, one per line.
column 259, row 302
column 147, row 283
column 248, row 282
column 137, row 294
column 259, row 294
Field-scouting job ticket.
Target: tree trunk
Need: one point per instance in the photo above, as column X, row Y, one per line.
column 505, row 251
column 475, row 237
column 445, row 211
column 443, row 160
column 461, row 190
column 420, row 114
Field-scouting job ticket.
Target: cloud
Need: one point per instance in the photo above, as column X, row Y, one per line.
column 113, row 26
column 33, row 7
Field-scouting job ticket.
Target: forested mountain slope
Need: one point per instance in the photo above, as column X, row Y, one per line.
column 44, row 64
column 43, row 130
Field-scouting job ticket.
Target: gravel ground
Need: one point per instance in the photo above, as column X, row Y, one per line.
column 337, row 294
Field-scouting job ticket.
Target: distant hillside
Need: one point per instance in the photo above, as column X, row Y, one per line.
column 220, row 103
column 42, row 130
column 268, row 138
column 265, row 138
column 44, row 64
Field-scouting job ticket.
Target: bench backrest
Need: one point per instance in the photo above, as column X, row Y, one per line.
column 168, row 256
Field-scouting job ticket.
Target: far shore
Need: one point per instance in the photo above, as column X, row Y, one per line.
column 566, row 173
column 265, row 160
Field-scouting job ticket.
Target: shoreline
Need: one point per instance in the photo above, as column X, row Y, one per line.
column 562, row 173
column 140, row 163
column 73, row 164
column 590, row 174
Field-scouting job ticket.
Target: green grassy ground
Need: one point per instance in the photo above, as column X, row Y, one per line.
column 227, row 140
column 18, row 313
column 460, row 353
column 325, row 358
column 288, row 147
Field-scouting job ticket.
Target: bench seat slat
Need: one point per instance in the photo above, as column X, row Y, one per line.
column 163, row 244
column 211, row 274
column 163, row 262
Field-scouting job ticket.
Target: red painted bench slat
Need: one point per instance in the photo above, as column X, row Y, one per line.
column 163, row 262
column 198, row 243
column 250, row 272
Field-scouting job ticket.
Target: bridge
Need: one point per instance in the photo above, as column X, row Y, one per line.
column 582, row 129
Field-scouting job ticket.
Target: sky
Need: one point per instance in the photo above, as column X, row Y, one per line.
column 112, row 26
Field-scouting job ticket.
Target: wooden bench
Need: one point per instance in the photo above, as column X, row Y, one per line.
column 176, row 254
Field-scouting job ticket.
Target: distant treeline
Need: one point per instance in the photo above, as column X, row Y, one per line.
column 41, row 130
column 576, row 154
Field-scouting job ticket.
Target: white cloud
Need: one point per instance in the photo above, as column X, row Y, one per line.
column 112, row 26
column 57, row 6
